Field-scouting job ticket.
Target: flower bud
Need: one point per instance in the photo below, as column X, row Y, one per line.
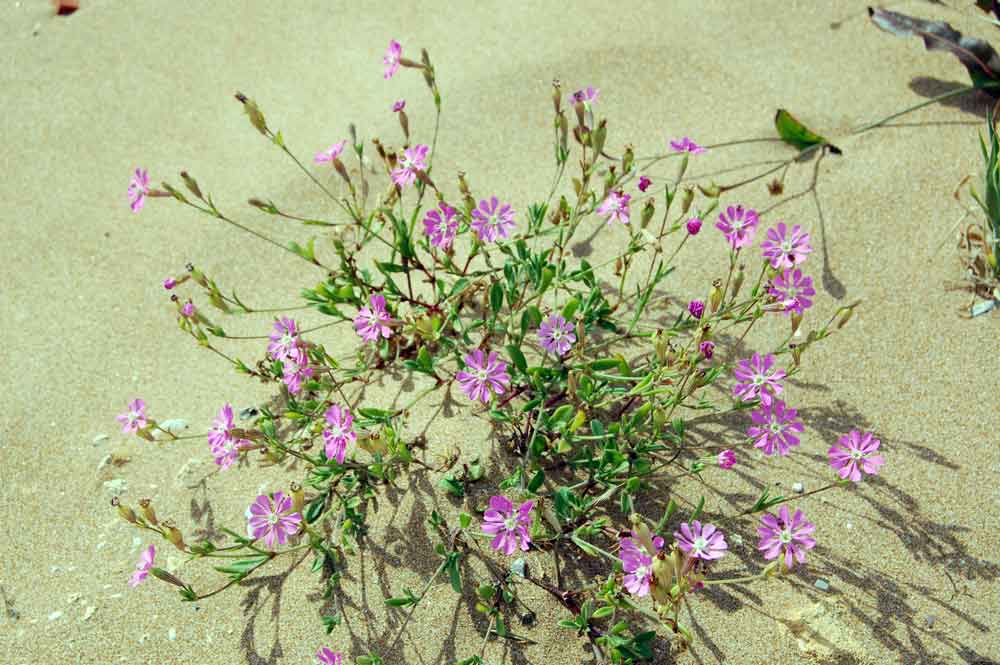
column 146, row 508
column 687, row 198
column 127, row 513
column 647, row 213
column 253, row 112
column 557, row 96
column 712, row 191
column 737, row 281
column 662, row 579
column 628, row 159
column 796, row 319
column 600, row 134
column 198, row 276
column 563, row 125
column 341, row 170
column 404, row 123
column 715, row 296
column 845, row 315
column 683, row 167
column 192, row 185
column 298, row 498
column 578, row 108
column 161, row 574
column 173, row 534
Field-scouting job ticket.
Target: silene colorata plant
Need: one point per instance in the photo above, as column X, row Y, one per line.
column 588, row 392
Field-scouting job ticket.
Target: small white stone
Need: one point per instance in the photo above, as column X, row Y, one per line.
column 54, row 569
column 101, row 438
column 143, row 638
column 929, row 620
column 822, row 585
column 100, row 546
column 849, row 525
column 105, row 461
column 798, row 488
column 174, row 425
column 172, row 634
column 89, row 612
column 55, row 615
column 136, row 543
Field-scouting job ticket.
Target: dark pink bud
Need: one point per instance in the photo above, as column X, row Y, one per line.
column 707, row 349
column 694, row 225
column 644, row 183
column 169, row 283
column 697, row 308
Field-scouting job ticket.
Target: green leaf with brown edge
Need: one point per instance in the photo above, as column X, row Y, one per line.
column 979, row 58
column 794, row 132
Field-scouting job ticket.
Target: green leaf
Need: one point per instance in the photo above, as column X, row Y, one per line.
column 329, row 621
column 697, row 510
column 496, row 297
column 603, row 612
column 536, row 481
column 517, row 358
column 452, row 485
column 240, row 569
column 793, row 132
column 453, row 572
column 315, row 508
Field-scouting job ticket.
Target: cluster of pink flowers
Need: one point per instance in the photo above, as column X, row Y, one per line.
column 510, row 529
column 223, row 442
column 492, row 220
column 288, row 347
column 340, row 432
column 372, row 322
column 272, row 519
column 484, row 376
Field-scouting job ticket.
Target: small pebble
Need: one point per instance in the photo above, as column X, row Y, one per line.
column 174, row 425
column 172, row 634
column 101, row 438
column 517, row 567
column 822, row 585
column 55, row 615
column 143, row 638
column 54, row 569
column 849, row 525
column 929, row 620
column 89, row 612
column 798, row 488
column 105, row 461
column 100, row 546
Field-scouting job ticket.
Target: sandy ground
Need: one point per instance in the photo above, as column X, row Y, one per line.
column 910, row 558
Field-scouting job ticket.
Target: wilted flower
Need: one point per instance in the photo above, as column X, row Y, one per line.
column 340, row 432
column 793, row 290
column 775, row 428
column 492, row 220
column 788, row 533
column 441, row 227
column 508, row 528
column 707, row 348
column 615, row 207
column 644, row 183
column 134, row 419
column 556, row 335
column 412, row 161
column 739, row 225
column 372, row 322
column 138, row 188
column 756, row 379
column 143, row 567
column 483, row 376
column 784, row 249
column 854, row 453
column 585, row 96
column 701, row 542
column 272, row 519
column 331, row 153
column 686, row 145
column 327, row 656
column 391, row 59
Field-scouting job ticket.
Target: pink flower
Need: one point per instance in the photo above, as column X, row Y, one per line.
column 327, row 656
column 286, row 343
column 412, row 161
column 637, row 562
column 776, row 428
column 694, row 225
column 739, row 225
column 586, row 96
column 138, row 188
column 371, row 322
column 142, row 568
column 491, row 220
column 755, row 379
column 556, row 335
column 509, row 528
column 707, row 348
column 615, row 207
column 293, row 374
column 272, row 519
column 483, row 376
column 701, row 542
column 188, row 310
column 399, row 105
column 854, row 454
column 169, row 283
column 644, row 183
column 223, row 443
column 340, row 432
column 696, row 308
column 331, row 153
column 727, row 460
column 441, row 227
column 391, row 59
column 134, row 419
column 793, row 290
column 686, row 145
column 781, row 532
column 785, row 250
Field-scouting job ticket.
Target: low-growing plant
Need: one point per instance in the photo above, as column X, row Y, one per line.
column 590, row 376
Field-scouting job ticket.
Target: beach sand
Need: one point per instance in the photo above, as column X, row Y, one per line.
column 910, row 557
